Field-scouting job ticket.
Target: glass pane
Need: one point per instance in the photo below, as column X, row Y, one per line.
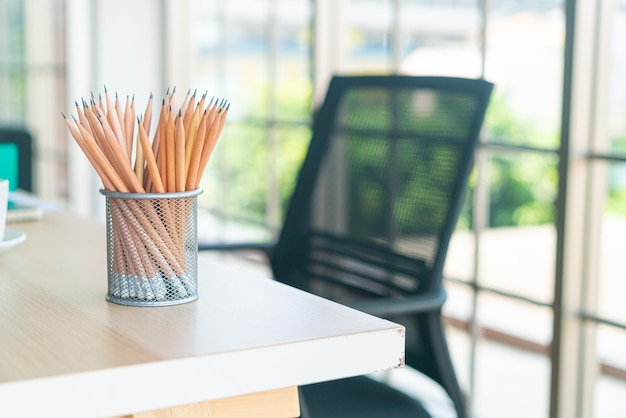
column 257, row 54
column 457, row 311
column 13, row 100
column 441, row 38
column 610, row 386
column 232, row 45
column 460, row 259
column 519, row 260
column 610, row 397
column 512, row 356
column 293, row 93
column 247, row 71
column 250, row 175
column 293, row 143
column 516, row 322
column 241, row 162
column 369, row 45
column 295, row 13
column 12, row 41
column 524, row 58
column 510, row 382
column 612, row 269
column 617, row 78
column 459, row 345
column 517, row 250
column 12, row 62
column 522, row 188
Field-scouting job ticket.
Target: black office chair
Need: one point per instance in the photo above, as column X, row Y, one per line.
column 371, row 217
column 23, row 141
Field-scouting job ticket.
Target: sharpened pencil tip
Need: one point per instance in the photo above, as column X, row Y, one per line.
column 63, row 114
column 151, row 96
column 105, row 88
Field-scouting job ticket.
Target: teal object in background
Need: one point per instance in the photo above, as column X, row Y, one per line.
column 9, row 164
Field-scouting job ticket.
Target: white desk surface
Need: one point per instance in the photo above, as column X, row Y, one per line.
column 65, row 351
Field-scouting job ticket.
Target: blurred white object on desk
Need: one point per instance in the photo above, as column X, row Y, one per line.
column 25, row 207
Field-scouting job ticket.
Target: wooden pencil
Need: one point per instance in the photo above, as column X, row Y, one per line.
column 113, row 121
column 170, row 154
column 192, row 133
column 179, row 140
column 196, row 153
column 211, row 141
column 150, row 160
column 83, row 146
column 129, row 124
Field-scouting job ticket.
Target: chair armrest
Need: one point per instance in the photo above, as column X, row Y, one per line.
column 426, row 302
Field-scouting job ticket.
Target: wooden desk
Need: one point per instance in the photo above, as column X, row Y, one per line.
column 65, row 351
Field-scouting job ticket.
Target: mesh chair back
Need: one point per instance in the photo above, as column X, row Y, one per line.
column 383, row 184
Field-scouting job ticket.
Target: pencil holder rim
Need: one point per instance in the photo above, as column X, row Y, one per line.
column 169, row 195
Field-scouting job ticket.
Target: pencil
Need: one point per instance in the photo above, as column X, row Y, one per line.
column 170, row 154
column 196, row 153
column 150, row 160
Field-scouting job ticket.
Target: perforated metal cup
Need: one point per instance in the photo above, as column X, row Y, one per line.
column 152, row 247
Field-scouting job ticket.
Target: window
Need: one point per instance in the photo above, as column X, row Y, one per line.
column 503, row 259
column 533, row 274
column 32, row 81
column 258, row 55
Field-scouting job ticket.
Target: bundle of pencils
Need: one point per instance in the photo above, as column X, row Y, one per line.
column 149, row 235
column 173, row 161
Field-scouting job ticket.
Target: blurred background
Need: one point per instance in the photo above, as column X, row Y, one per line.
column 535, row 317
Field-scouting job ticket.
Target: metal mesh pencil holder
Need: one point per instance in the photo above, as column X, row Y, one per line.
column 152, row 247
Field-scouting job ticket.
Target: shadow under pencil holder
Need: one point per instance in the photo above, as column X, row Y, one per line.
column 152, row 247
